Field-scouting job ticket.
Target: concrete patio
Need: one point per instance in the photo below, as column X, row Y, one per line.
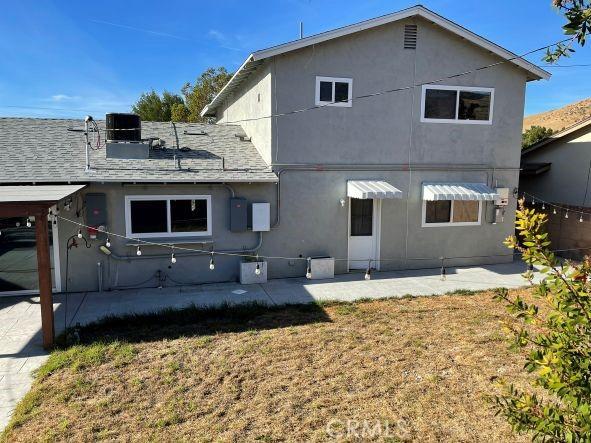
column 21, row 348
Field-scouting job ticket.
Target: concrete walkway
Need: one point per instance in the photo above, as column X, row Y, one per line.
column 20, row 318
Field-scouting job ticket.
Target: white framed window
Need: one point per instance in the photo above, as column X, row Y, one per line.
column 334, row 91
column 149, row 216
column 451, row 213
column 457, row 104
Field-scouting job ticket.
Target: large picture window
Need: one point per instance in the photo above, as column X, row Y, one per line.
column 451, row 212
column 332, row 91
column 167, row 216
column 457, row 104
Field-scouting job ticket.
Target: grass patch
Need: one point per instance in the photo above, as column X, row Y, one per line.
column 423, row 365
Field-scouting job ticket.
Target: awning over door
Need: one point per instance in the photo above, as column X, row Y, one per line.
column 41, row 193
column 369, row 189
column 458, row 191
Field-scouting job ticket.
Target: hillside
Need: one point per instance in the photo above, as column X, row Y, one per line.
column 560, row 118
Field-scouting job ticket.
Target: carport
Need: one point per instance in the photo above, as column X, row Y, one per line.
column 35, row 201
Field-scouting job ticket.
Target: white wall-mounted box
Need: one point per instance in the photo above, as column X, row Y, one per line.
column 503, row 199
column 261, row 217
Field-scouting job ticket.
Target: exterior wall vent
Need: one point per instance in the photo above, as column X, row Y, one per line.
column 410, row 36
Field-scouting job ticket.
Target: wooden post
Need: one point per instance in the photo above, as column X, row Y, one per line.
column 44, row 271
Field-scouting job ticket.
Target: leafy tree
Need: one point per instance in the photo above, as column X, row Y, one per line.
column 186, row 107
column 556, row 329
column 202, row 92
column 534, row 135
column 578, row 16
column 179, row 113
column 153, row 107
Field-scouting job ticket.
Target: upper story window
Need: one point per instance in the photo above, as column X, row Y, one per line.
column 457, row 104
column 167, row 216
column 333, row 91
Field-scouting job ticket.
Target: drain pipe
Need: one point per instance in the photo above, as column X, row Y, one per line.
column 99, row 269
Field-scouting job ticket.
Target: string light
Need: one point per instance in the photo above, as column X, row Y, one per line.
column 29, row 224
column 581, row 219
column 108, row 243
column 308, row 269
column 79, row 233
column 172, row 258
column 533, row 201
column 554, row 211
column 543, row 206
column 211, row 263
column 138, row 251
column 566, row 215
column 368, row 272
column 257, row 270
column 18, row 224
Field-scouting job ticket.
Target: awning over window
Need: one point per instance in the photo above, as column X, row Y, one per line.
column 458, row 191
column 372, row 189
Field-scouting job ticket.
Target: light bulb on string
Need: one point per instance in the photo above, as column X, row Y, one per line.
column 566, row 215
column 108, row 242
column 581, row 219
column 172, row 258
column 211, row 263
column 257, row 270
column 554, row 211
column 368, row 271
column 308, row 270
column 543, row 206
column 29, row 224
column 18, row 224
column 79, row 233
column 138, row 251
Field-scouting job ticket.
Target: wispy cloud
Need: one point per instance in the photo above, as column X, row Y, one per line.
column 222, row 39
column 146, row 31
column 63, row 98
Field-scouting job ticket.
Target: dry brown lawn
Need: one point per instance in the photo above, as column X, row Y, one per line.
column 417, row 369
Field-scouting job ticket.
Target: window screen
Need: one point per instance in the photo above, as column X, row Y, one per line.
column 148, row 216
column 474, row 105
column 438, row 211
column 361, row 217
column 341, row 92
column 440, row 104
column 326, row 91
column 466, row 211
column 188, row 215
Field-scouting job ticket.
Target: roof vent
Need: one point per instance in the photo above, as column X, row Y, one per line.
column 123, row 127
column 410, row 36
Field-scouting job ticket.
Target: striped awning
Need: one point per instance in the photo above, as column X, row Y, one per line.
column 458, row 191
column 369, row 189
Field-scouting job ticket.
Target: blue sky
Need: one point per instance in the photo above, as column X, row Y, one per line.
column 76, row 58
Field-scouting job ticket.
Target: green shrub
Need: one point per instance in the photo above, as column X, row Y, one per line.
column 556, row 330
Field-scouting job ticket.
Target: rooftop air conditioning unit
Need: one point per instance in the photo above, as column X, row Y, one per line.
column 124, row 137
column 123, row 127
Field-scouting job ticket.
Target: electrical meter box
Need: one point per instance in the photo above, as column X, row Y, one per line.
column 238, row 214
column 503, row 199
column 261, row 217
column 96, row 209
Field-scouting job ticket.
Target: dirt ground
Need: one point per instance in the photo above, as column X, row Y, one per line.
column 417, row 369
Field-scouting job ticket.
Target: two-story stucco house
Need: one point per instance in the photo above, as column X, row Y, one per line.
column 389, row 144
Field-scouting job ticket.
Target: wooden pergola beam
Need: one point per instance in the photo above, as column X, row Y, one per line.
column 38, row 210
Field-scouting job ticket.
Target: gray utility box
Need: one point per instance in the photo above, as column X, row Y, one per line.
column 128, row 150
column 238, row 214
column 248, row 274
column 321, row 268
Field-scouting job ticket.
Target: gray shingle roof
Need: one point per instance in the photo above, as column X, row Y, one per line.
column 43, row 150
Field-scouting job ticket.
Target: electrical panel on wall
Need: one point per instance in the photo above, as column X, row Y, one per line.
column 96, row 213
column 238, row 214
column 261, row 217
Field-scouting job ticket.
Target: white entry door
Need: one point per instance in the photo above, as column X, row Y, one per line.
column 364, row 230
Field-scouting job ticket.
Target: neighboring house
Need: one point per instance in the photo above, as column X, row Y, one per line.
column 557, row 171
column 392, row 180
